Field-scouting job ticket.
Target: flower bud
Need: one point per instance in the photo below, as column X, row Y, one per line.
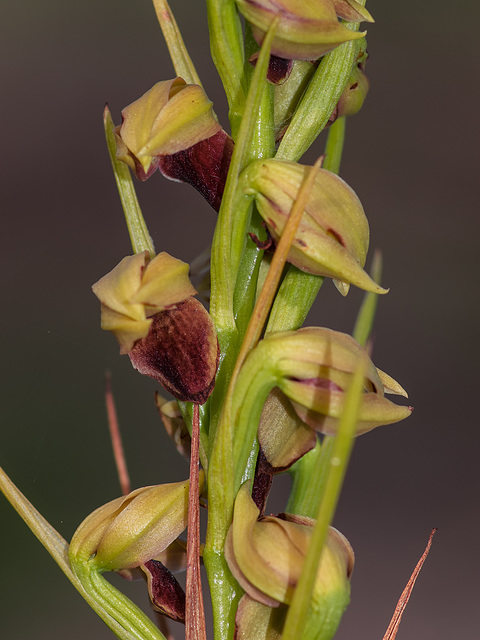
column 354, row 95
column 127, row 532
column 266, row 557
column 352, row 99
column 167, row 333
column 333, row 235
column 305, row 30
column 315, row 367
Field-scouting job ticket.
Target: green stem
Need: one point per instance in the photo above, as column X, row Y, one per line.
column 128, row 616
column 255, row 381
column 262, row 144
column 247, row 278
column 229, row 236
column 294, row 299
column 137, row 229
column 229, row 244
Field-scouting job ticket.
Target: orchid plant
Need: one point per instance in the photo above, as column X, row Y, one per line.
column 255, row 393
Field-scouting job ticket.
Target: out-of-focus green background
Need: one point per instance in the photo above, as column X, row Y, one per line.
column 411, row 155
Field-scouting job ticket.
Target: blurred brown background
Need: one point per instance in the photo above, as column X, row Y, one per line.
column 411, row 155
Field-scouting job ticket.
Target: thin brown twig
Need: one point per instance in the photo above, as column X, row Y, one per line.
column 194, row 612
column 391, row 632
column 115, row 437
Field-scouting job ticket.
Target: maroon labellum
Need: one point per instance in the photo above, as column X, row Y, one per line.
column 204, row 166
column 180, row 351
column 166, row 595
column 279, row 69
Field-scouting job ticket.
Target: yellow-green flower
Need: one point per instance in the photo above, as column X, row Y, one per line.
column 167, row 333
column 315, row 367
column 333, row 235
column 171, row 117
column 305, row 30
column 266, row 557
column 138, row 288
column 130, row 530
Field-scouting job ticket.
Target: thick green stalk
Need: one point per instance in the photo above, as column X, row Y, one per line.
column 262, row 144
column 229, row 236
column 131, row 619
column 334, row 146
column 255, row 381
column 294, row 300
column 227, row 249
column 309, row 475
column 229, row 241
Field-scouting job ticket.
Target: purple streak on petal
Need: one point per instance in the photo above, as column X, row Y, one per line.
column 319, row 383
